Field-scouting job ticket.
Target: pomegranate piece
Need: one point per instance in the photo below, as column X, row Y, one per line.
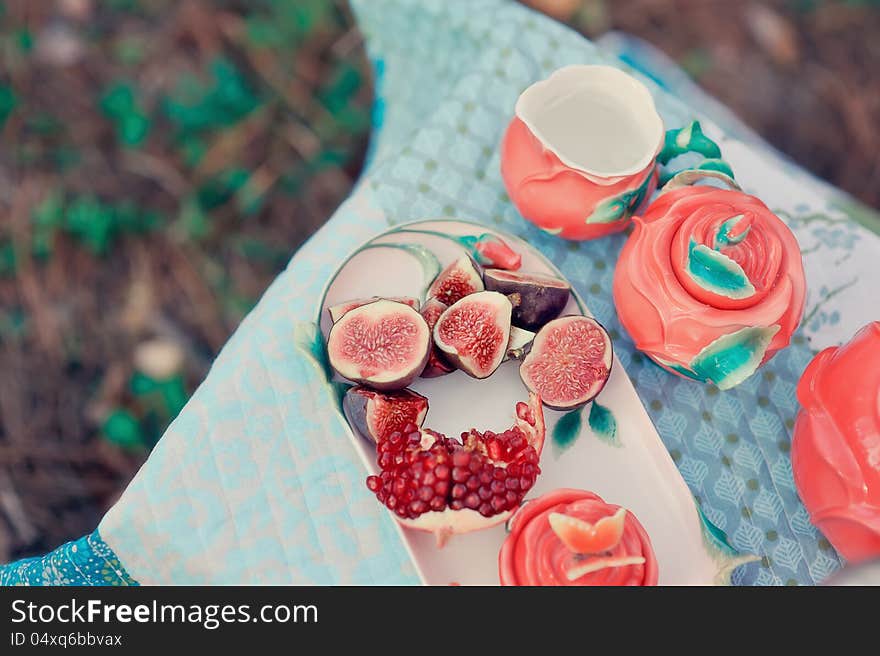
column 474, row 332
column 437, row 364
column 569, row 362
column 445, row 486
column 383, row 344
column 378, row 414
column 337, row 311
column 536, row 298
column 456, row 281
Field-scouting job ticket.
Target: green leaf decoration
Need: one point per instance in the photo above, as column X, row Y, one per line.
column 717, row 273
column 621, row 206
column 732, row 358
column 723, row 237
column 123, row 429
column 8, row 258
column 566, row 430
column 603, row 424
column 690, row 138
column 719, row 547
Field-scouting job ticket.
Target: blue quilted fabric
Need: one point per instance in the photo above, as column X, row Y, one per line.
column 256, row 482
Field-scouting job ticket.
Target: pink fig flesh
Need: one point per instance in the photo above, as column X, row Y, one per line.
column 383, row 345
column 536, row 298
column 377, row 414
column 456, row 281
column 569, row 362
column 337, row 311
column 474, row 332
column 437, row 364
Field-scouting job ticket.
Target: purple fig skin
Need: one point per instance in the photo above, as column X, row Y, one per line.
column 382, row 315
column 337, row 311
column 363, row 407
column 456, row 281
column 494, row 307
column 538, row 348
column 536, row 298
column 437, row 364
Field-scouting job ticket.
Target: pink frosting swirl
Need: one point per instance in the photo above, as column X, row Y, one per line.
column 835, row 451
column 533, row 554
column 701, row 265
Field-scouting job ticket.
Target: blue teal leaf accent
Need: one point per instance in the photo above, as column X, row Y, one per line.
column 603, row 424
column 717, row 273
column 567, row 429
column 722, row 552
column 716, row 164
column 724, row 237
column 689, row 138
column 430, row 264
column 621, row 206
column 732, row 358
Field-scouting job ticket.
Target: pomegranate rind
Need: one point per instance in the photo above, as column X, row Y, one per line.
column 337, row 311
column 377, row 414
column 357, row 352
column 536, row 298
column 560, row 355
column 473, row 333
column 437, row 364
column 448, row 522
column 456, row 281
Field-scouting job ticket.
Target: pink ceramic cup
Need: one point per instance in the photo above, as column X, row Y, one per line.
column 578, row 158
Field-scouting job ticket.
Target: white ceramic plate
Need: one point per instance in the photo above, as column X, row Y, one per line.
column 633, row 470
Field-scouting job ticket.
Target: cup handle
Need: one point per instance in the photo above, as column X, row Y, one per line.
column 690, row 139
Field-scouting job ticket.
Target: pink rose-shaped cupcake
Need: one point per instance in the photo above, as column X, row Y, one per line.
column 572, row 537
column 835, row 452
column 710, row 285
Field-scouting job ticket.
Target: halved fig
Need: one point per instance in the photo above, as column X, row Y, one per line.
column 536, row 298
column 382, row 344
column 474, row 332
column 456, row 281
column 378, row 414
column 437, row 364
column 569, row 363
column 518, row 344
column 337, row 311
column 435, row 483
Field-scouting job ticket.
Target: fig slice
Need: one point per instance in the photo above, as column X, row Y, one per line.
column 337, row 311
column 519, row 342
column 536, row 298
column 456, row 281
column 446, row 486
column 377, row 414
column 382, row 344
column 437, row 364
column 473, row 333
column 569, row 362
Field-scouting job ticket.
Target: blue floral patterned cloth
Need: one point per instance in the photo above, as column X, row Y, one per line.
column 256, row 482
column 87, row 561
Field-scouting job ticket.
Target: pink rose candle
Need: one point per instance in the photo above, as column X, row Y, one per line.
column 572, row 537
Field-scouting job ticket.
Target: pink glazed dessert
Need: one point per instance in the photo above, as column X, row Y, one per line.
column 578, row 158
column 710, row 285
column 572, row 537
column 835, row 451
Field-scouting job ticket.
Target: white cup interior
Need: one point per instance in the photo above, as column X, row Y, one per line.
column 596, row 119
